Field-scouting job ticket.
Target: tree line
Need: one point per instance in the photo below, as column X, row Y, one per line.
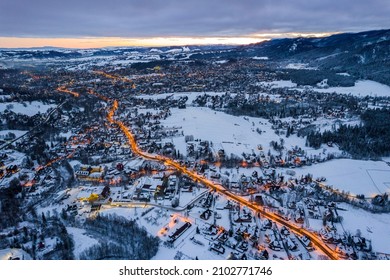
column 121, row 239
column 369, row 140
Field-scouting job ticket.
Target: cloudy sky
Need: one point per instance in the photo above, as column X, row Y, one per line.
column 113, row 21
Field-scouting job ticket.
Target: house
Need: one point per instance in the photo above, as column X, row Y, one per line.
column 148, row 185
column 217, row 247
column 90, row 173
column 179, row 232
column 90, row 194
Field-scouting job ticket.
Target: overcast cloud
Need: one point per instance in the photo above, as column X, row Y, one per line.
column 149, row 18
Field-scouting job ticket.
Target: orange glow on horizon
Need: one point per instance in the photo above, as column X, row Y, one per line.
column 101, row 42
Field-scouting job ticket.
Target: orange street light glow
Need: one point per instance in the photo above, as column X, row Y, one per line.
column 320, row 244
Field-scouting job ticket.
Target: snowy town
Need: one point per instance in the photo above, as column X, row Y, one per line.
column 167, row 155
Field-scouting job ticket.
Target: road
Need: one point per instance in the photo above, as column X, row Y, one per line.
column 116, row 78
column 316, row 240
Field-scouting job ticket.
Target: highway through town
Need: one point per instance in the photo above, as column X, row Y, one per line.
column 316, row 240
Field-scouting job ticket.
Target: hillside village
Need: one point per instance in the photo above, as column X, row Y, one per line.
column 205, row 158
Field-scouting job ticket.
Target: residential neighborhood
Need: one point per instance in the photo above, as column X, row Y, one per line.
column 199, row 158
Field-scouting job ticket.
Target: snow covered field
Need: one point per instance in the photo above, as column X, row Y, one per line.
column 361, row 88
column 29, row 109
column 260, row 58
column 325, row 124
column 299, row 66
column 17, row 133
column 234, row 134
column 81, row 240
column 375, row 227
column 354, row 176
column 278, row 84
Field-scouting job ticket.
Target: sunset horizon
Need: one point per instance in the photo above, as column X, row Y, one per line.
column 163, row 41
column 98, row 24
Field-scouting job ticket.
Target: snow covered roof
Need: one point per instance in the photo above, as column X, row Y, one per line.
column 87, row 191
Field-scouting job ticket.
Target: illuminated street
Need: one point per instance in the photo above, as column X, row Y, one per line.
column 314, row 238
